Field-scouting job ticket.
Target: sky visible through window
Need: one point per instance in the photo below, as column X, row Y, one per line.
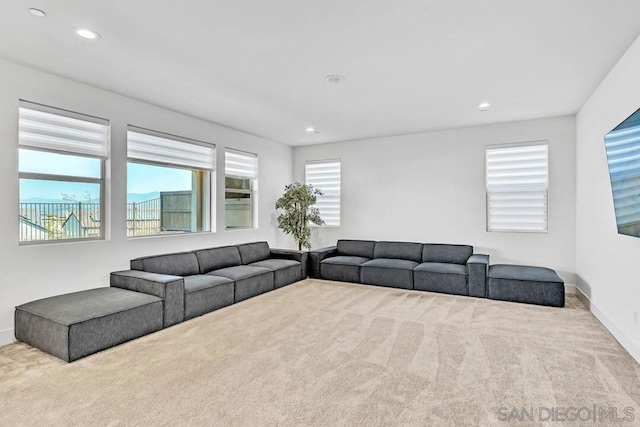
column 141, row 178
column 56, row 191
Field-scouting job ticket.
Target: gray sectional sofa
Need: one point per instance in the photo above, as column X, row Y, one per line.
column 157, row 292
column 162, row 290
column 194, row 283
column 452, row 269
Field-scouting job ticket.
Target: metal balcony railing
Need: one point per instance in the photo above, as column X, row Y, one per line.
column 143, row 218
column 76, row 220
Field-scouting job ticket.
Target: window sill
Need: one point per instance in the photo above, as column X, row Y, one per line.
column 58, row 242
column 241, row 229
column 155, row 236
column 519, row 231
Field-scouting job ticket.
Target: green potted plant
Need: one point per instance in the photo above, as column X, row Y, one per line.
column 298, row 212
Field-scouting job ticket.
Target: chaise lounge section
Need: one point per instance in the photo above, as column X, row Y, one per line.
column 78, row 324
column 526, row 284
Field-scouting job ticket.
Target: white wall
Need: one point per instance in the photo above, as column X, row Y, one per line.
column 430, row 187
column 607, row 263
column 32, row 272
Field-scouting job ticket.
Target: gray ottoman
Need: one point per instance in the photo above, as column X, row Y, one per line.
column 521, row 283
column 75, row 325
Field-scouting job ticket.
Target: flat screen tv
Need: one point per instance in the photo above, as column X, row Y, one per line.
column 623, row 155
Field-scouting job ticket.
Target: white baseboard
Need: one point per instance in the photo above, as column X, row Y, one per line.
column 569, row 289
column 7, row 337
column 625, row 341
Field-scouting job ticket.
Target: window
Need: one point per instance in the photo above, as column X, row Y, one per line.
column 61, row 174
column 168, row 183
column 517, row 187
column 241, row 173
column 325, row 175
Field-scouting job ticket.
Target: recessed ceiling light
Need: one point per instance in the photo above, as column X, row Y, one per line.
column 334, row 78
column 87, row 34
column 311, row 129
column 484, row 106
column 37, row 12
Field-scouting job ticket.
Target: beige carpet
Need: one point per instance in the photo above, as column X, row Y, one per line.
column 326, row 353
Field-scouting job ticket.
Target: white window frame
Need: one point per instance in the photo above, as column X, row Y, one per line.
column 42, row 145
column 543, row 148
column 162, row 158
column 252, row 175
column 332, row 194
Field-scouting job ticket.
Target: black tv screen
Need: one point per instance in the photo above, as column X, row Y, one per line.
column 623, row 155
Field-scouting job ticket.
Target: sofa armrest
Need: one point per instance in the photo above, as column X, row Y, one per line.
column 293, row 255
column 316, row 256
column 478, row 265
column 169, row 288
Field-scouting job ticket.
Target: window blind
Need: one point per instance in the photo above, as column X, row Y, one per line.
column 61, row 131
column 517, row 188
column 623, row 154
column 326, row 177
column 170, row 150
column 240, row 164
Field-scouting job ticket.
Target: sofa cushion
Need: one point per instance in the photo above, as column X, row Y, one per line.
column 254, row 252
column 240, row 272
column 345, row 260
column 359, row 248
column 396, row 273
column 399, row 250
column 340, row 272
column 250, row 280
column 441, row 277
column 453, row 254
column 445, row 268
column 524, row 272
column 275, row 264
column 217, row 258
column 178, row 264
column 402, row 264
column 206, row 293
column 203, row 281
column 285, row 271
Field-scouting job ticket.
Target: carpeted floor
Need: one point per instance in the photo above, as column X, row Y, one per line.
column 326, row 353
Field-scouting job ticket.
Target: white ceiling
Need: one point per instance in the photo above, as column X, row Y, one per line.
column 259, row 65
